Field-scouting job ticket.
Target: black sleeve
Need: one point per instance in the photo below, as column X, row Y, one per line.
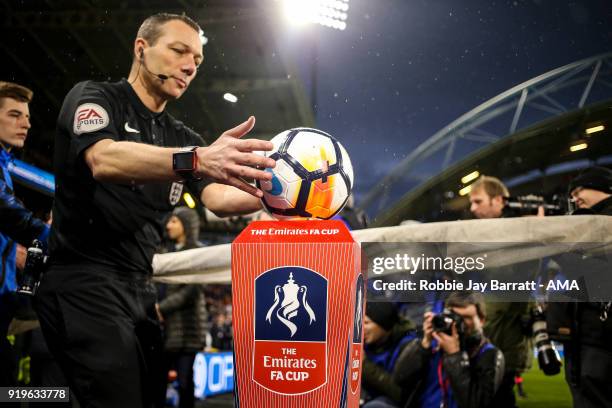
column 374, row 377
column 411, row 365
column 87, row 116
column 474, row 384
column 185, row 295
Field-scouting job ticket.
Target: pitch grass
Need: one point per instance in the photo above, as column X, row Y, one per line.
column 544, row 391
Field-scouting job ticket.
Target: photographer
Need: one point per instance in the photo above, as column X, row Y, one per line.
column 488, row 198
column 504, row 327
column 586, row 328
column 455, row 365
column 591, row 191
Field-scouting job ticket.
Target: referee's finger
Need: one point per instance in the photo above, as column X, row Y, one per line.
column 251, row 145
column 242, row 129
column 244, row 186
column 249, row 172
column 256, row 160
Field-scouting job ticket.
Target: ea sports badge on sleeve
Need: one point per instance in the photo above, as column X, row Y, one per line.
column 89, row 117
column 297, row 313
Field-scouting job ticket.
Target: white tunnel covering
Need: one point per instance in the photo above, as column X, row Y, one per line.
column 516, row 238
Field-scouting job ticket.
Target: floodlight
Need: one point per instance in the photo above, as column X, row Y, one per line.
column 594, row 129
column 469, row 177
column 465, row 190
column 579, row 146
column 328, row 13
column 230, row 97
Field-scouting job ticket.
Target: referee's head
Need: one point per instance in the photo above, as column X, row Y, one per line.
column 167, row 53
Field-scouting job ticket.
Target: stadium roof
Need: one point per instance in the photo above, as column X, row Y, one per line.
column 536, row 160
column 523, row 134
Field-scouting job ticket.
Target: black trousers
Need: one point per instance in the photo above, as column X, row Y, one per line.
column 44, row 370
column 505, row 398
column 588, row 372
column 182, row 362
column 101, row 327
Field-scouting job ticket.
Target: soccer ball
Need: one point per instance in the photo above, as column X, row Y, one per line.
column 313, row 176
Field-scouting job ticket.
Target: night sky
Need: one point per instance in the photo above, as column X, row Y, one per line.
column 404, row 69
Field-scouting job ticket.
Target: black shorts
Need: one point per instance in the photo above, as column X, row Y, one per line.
column 101, row 326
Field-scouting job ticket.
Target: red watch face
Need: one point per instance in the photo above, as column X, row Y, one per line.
column 184, row 161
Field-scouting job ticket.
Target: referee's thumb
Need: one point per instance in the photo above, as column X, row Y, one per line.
column 242, row 129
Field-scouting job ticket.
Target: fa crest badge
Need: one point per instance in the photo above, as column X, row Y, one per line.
column 290, row 351
column 175, row 193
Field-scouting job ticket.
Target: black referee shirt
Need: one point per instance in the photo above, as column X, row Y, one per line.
column 113, row 225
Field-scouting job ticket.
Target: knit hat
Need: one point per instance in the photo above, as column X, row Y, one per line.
column 383, row 314
column 191, row 224
column 595, row 178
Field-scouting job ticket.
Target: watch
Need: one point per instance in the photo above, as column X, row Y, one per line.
column 185, row 163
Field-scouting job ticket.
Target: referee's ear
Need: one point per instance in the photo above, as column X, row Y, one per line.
column 138, row 51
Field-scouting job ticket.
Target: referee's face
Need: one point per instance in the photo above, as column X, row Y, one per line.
column 176, row 54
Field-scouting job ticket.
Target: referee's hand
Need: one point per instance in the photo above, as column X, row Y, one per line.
column 230, row 159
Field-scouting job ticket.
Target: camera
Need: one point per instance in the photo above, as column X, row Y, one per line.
column 529, row 204
column 548, row 357
column 443, row 322
column 35, row 260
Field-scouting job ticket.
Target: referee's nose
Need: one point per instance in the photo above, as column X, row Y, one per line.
column 189, row 69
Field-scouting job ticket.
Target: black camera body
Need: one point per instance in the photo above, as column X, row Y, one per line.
column 528, row 205
column 32, row 272
column 443, row 322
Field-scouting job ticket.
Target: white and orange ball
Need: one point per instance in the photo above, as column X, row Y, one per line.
column 313, row 177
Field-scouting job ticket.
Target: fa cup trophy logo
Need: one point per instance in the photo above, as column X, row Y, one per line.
column 290, row 305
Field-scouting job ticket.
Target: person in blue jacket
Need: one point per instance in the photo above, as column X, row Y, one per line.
column 385, row 334
column 17, row 224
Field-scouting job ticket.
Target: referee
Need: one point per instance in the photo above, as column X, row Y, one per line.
column 121, row 163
